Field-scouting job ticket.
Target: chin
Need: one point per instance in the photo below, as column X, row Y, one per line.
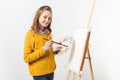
column 45, row 26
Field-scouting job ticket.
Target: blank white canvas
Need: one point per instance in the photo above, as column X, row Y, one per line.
column 79, row 44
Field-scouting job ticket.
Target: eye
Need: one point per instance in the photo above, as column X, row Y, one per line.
column 46, row 17
column 49, row 18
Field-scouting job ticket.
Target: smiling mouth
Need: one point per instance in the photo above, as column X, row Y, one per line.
column 46, row 23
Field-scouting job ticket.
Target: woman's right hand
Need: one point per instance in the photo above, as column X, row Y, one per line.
column 47, row 45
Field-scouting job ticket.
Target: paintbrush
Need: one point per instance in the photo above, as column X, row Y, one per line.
column 56, row 42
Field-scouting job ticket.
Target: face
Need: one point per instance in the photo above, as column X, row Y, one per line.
column 45, row 19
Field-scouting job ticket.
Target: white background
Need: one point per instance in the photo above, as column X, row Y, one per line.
column 68, row 15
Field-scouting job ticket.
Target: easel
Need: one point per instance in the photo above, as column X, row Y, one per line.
column 86, row 53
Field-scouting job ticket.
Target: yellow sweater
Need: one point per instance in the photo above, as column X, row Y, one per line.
column 40, row 62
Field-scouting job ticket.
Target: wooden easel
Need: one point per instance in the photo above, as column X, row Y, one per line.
column 86, row 53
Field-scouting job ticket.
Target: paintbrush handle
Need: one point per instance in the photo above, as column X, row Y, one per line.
column 60, row 44
column 56, row 42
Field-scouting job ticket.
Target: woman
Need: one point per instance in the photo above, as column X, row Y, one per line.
column 38, row 52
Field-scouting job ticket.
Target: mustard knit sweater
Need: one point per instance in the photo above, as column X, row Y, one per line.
column 40, row 62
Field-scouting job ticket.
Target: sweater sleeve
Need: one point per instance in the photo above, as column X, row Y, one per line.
column 29, row 54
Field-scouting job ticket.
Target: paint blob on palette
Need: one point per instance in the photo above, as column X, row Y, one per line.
column 67, row 40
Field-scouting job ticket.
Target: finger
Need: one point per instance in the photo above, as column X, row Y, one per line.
column 50, row 43
column 59, row 47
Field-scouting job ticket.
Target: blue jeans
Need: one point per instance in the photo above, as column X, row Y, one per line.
column 44, row 77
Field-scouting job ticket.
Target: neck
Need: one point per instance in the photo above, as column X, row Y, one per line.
column 42, row 28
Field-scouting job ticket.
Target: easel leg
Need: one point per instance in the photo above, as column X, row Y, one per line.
column 73, row 76
column 68, row 75
column 79, row 76
column 88, row 54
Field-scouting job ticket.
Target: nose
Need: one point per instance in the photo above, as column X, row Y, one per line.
column 47, row 19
